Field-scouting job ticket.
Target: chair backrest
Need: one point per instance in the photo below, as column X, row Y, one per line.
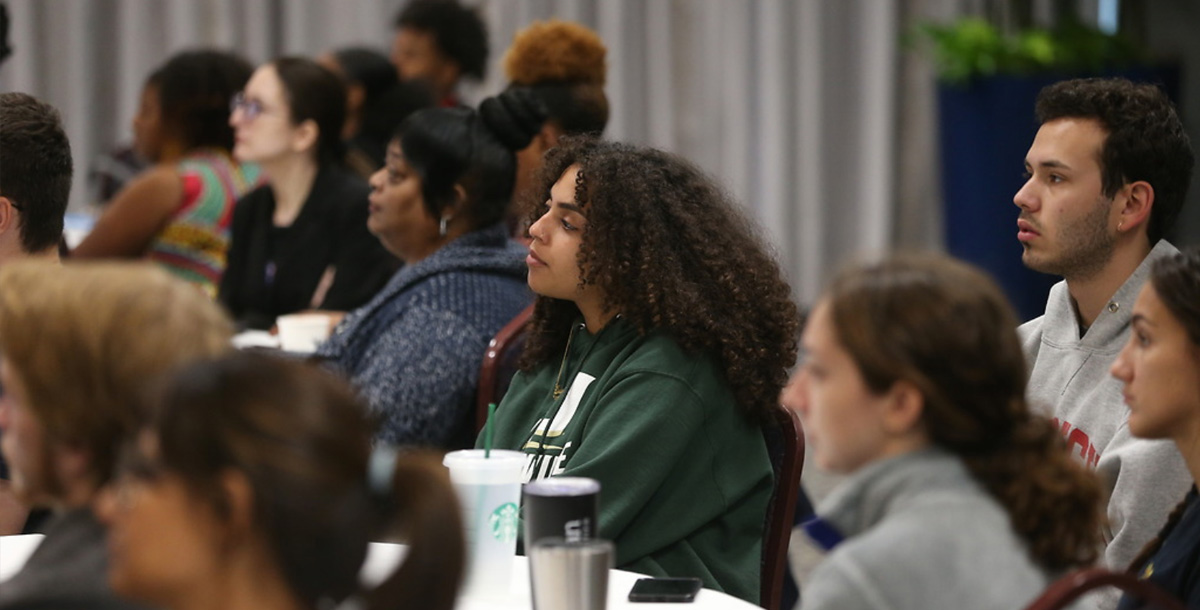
column 785, row 443
column 1062, row 592
column 499, row 365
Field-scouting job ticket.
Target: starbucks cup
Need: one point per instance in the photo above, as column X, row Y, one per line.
column 489, row 489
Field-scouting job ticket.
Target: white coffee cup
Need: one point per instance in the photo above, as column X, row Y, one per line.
column 302, row 332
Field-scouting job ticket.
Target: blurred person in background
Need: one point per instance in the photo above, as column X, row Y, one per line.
column 79, row 343
column 300, row 241
column 35, row 184
column 255, row 487
column 376, row 103
column 438, row 43
column 562, row 65
column 415, row 350
column 912, row 383
column 178, row 214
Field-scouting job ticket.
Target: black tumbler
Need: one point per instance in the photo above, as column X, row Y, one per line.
column 560, row 507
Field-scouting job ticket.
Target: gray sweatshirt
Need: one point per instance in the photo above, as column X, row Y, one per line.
column 920, row 534
column 1069, row 380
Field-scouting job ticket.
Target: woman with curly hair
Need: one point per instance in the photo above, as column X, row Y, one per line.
column 659, row 342
column 1160, row 367
column 913, row 383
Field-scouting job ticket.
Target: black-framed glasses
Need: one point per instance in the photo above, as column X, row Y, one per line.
column 251, row 109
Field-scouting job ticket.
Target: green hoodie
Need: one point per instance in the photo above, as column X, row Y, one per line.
column 685, row 478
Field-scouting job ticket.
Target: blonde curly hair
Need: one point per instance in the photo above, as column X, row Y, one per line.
column 556, row 51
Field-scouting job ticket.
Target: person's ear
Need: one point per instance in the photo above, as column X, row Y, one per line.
column 8, row 214
column 460, row 197
column 356, row 96
column 1137, row 204
column 72, row 463
column 305, row 135
column 904, row 408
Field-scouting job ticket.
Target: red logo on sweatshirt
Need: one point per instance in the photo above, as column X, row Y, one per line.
column 1076, row 437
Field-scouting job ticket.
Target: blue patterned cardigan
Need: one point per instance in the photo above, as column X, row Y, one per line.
column 413, row 352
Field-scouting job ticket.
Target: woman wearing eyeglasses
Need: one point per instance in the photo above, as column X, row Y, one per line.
column 301, row 241
column 178, row 212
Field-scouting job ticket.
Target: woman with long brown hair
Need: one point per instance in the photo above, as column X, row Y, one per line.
column 913, row 383
column 1160, row 367
column 255, row 487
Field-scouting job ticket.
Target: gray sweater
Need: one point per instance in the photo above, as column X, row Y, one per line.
column 1070, row 381
column 69, row 569
column 921, row 534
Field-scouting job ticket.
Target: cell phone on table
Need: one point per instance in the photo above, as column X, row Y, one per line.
column 673, row 590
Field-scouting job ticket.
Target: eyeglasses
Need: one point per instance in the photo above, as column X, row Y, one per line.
column 251, row 109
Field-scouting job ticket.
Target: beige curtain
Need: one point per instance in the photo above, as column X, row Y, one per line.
column 801, row 108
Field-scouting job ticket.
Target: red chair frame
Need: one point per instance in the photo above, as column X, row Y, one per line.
column 1072, row 586
column 785, row 440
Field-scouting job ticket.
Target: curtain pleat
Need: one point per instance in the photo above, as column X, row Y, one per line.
column 791, row 104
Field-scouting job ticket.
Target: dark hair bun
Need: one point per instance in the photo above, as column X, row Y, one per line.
column 514, row 116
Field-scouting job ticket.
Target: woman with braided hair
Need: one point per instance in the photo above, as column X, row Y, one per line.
column 659, row 342
column 913, row 384
column 1160, row 366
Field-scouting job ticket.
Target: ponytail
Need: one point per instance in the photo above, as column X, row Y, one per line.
column 946, row 328
column 1052, row 500
column 427, row 513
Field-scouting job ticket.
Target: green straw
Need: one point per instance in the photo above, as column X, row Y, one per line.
column 487, row 431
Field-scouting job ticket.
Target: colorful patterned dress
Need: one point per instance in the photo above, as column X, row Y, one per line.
column 194, row 243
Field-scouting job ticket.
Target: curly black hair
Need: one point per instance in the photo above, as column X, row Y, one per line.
column 1146, row 140
column 671, row 252
column 459, row 31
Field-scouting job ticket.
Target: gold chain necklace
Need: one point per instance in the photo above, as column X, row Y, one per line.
column 558, row 389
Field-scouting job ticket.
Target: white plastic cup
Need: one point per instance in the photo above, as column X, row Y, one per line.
column 489, row 490
column 302, row 332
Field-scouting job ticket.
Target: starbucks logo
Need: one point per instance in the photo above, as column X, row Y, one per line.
column 503, row 522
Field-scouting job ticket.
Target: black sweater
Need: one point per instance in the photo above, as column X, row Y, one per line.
column 272, row 271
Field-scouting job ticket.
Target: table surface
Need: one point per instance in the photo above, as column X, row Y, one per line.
column 382, row 557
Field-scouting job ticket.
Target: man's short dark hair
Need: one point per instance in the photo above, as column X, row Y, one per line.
column 1146, row 140
column 458, row 31
column 35, row 168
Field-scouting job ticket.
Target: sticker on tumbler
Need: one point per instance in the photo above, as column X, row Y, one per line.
column 503, row 521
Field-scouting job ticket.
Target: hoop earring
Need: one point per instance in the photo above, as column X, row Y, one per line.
column 1120, row 225
column 442, row 226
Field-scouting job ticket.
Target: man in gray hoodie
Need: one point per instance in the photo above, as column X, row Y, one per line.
column 1107, row 173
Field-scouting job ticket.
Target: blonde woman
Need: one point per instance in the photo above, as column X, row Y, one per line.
column 79, row 343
